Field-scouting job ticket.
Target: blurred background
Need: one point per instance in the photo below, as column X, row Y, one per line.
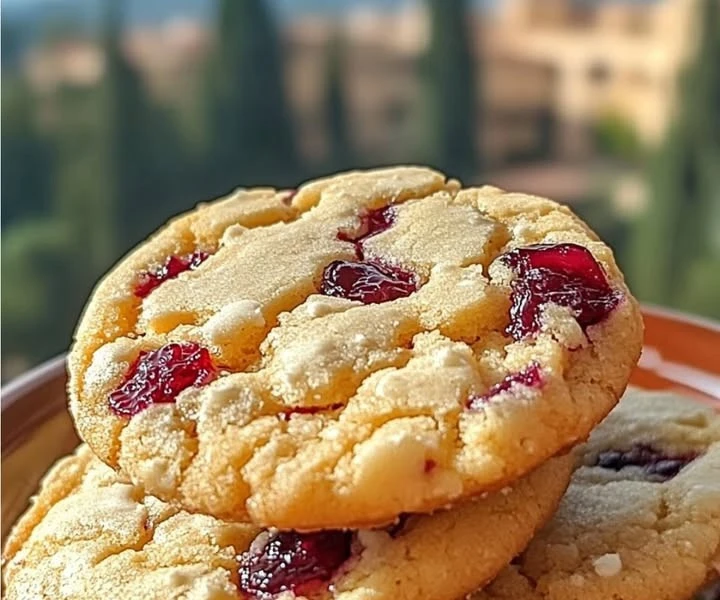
column 117, row 114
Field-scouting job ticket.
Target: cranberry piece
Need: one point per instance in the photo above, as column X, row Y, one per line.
column 174, row 265
column 530, row 376
column 654, row 462
column 160, row 375
column 371, row 223
column 291, row 561
column 368, row 282
column 566, row 274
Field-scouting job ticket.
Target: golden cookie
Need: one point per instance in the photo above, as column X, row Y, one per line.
column 641, row 518
column 91, row 536
column 376, row 343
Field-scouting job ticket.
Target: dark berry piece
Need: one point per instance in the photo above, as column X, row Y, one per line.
column 565, row 274
column 371, row 223
column 291, row 561
column 368, row 282
column 160, row 375
column 530, row 376
column 654, row 463
column 173, row 266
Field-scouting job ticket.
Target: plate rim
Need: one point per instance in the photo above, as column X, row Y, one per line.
column 678, row 315
column 32, row 379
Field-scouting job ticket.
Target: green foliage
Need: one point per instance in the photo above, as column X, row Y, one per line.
column 600, row 214
column 653, row 258
column 114, row 167
column 547, row 125
column 135, row 144
column 701, row 290
column 675, row 245
column 615, row 137
column 119, row 171
column 335, row 107
column 450, row 90
column 44, row 286
column 83, row 190
column 10, row 46
column 26, row 157
column 250, row 126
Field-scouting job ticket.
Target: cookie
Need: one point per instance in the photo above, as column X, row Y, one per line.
column 372, row 344
column 90, row 535
column 641, row 518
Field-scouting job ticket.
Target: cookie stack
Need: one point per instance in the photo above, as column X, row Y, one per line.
column 366, row 388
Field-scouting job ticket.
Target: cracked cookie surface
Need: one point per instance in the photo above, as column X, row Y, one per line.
column 371, row 344
column 641, row 518
column 90, row 534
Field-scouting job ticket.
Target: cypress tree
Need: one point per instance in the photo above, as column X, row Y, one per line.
column 652, row 262
column 250, row 126
column 26, row 155
column 125, row 142
column 85, row 195
column 452, row 119
column 107, row 194
column 103, row 163
column 335, row 106
column 50, row 260
column 31, row 245
column 677, row 242
column 126, row 146
column 44, row 285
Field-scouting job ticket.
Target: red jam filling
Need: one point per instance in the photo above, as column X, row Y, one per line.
column 371, row 223
column 302, row 563
column 565, row 274
column 173, row 266
column 530, row 376
column 368, row 282
column 160, row 375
